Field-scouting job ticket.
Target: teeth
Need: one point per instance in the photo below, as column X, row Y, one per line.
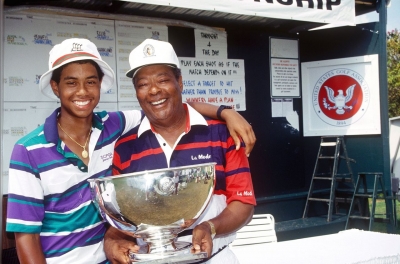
column 159, row 102
column 80, row 103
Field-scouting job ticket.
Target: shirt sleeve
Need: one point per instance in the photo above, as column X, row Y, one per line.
column 25, row 209
column 239, row 185
column 132, row 119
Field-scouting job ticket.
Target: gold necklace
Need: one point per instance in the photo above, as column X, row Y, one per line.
column 84, row 151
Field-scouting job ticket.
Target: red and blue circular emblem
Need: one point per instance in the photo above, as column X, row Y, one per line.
column 341, row 97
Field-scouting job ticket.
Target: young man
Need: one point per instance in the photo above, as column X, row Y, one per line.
column 173, row 134
column 49, row 207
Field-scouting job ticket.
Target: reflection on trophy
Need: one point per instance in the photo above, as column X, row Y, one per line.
column 156, row 206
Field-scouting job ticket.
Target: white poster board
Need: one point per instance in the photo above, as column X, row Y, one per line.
column 211, row 44
column 20, row 118
column 129, row 36
column 284, row 48
column 214, row 81
column 29, row 40
column 341, row 96
column 280, row 107
column 394, row 145
column 284, row 68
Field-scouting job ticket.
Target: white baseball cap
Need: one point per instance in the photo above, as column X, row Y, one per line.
column 151, row 52
column 71, row 50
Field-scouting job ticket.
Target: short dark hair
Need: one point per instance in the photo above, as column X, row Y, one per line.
column 177, row 72
column 57, row 72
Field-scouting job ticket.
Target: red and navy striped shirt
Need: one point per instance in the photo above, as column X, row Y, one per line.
column 206, row 140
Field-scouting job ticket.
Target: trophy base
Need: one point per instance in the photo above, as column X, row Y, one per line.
column 180, row 255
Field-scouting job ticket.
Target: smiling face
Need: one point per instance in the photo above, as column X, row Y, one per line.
column 159, row 93
column 78, row 89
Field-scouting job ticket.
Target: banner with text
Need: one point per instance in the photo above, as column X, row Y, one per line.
column 322, row 11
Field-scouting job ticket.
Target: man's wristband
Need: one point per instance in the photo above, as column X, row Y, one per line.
column 220, row 109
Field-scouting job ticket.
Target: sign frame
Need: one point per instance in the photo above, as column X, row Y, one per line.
column 284, row 68
column 360, row 100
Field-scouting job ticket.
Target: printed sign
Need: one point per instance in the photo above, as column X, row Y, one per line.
column 341, row 97
column 285, row 78
column 214, row 81
column 211, row 44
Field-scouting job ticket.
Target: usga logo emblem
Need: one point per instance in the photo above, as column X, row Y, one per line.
column 341, row 97
column 148, row 50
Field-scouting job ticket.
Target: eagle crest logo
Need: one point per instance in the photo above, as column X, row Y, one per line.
column 339, row 100
column 341, row 97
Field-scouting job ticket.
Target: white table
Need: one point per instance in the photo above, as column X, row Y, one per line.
column 350, row 246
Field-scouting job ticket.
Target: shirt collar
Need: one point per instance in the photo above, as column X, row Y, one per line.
column 50, row 125
column 194, row 117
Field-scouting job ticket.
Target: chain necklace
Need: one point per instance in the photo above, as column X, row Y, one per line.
column 84, row 151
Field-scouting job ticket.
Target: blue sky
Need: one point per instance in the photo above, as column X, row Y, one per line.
column 393, row 13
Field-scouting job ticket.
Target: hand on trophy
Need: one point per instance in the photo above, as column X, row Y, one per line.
column 202, row 240
column 118, row 247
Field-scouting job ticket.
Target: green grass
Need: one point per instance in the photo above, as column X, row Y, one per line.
column 380, row 208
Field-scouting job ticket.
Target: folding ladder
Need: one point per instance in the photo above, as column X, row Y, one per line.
column 373, row 194
column 324, row 153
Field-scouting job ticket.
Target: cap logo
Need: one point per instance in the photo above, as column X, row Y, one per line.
column 76, row 47
column 148, row 50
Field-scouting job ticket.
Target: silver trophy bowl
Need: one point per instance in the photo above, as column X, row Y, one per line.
column 155, row 206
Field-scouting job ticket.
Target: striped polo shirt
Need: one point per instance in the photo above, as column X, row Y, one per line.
column 205, row 140
column 49, row 192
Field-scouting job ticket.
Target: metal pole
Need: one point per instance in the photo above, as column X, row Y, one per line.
column 1, row 118
column 382, row 10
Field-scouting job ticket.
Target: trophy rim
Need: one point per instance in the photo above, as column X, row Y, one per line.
column 107, row 178
column 127, row 221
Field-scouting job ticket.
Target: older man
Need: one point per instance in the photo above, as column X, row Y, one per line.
column 174, row 134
